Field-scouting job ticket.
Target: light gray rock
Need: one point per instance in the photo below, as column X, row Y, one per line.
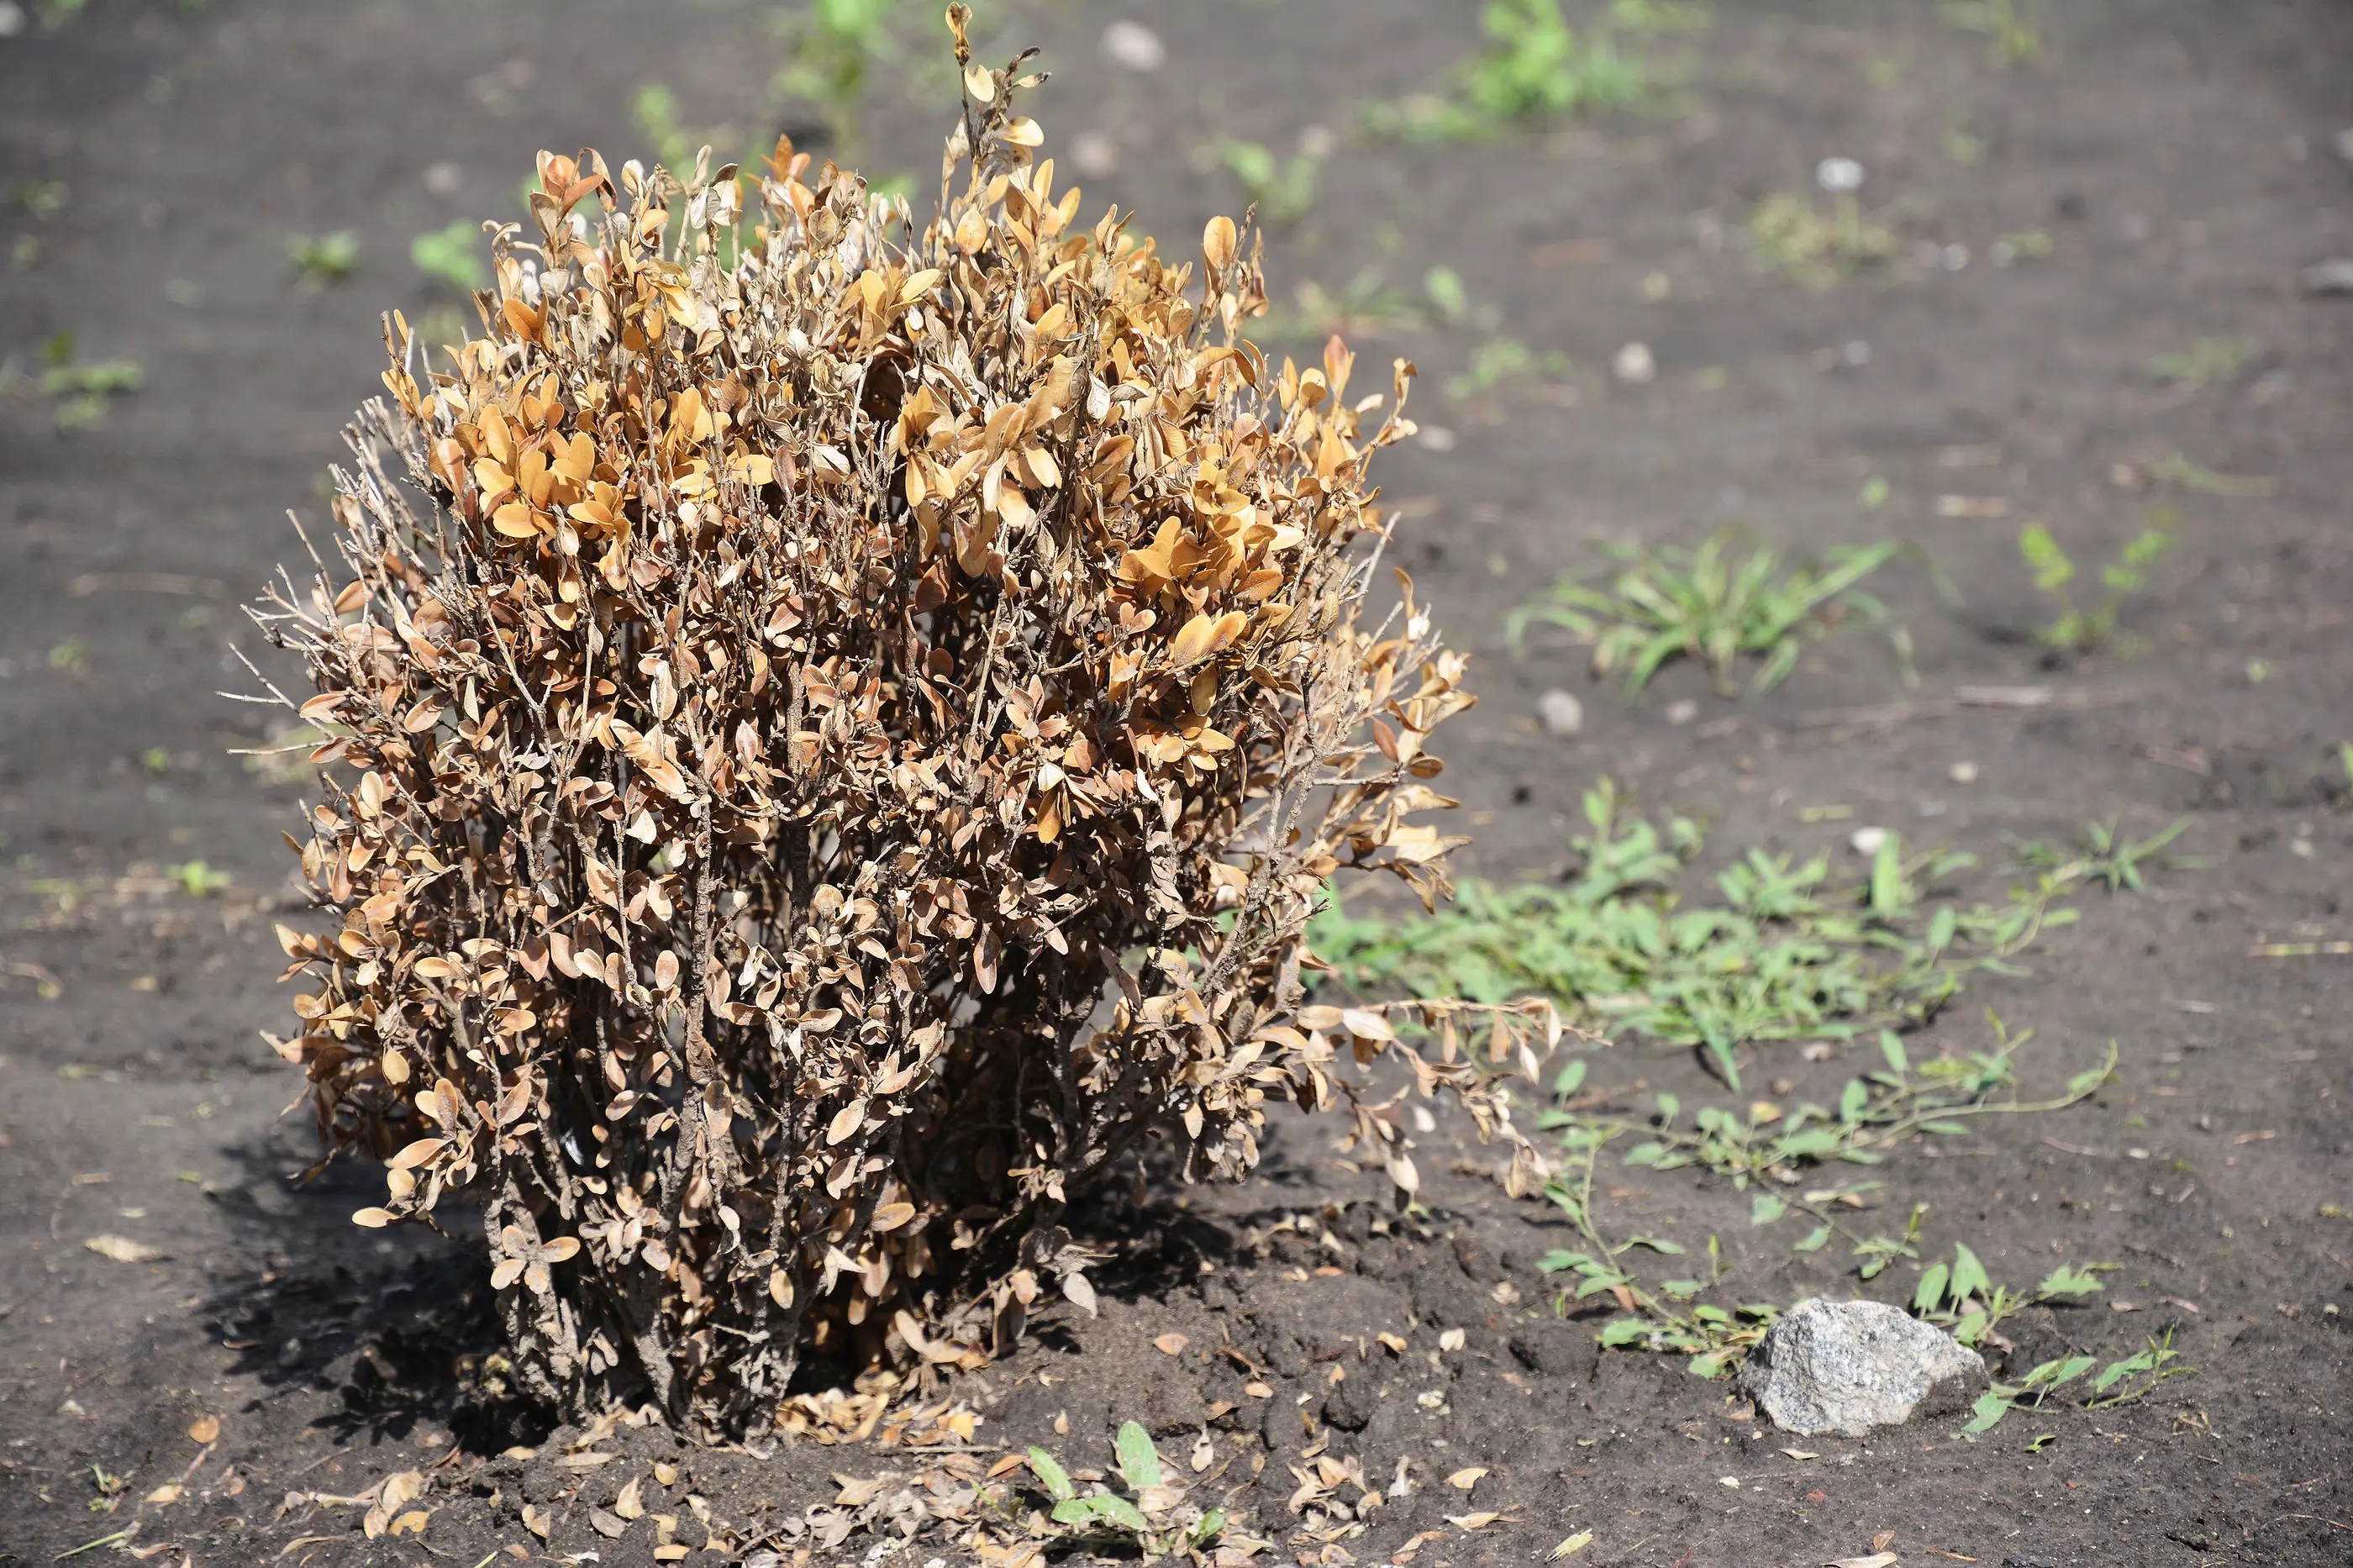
column 1849, row 1366
column 1561, row 712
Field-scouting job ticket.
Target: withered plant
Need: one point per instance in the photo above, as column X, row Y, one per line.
column 835, row 734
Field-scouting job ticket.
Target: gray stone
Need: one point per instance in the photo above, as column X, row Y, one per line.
column 1562, row 713
column 1849, row 1366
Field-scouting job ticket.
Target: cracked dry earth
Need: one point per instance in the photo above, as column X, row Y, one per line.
column 240, row 1380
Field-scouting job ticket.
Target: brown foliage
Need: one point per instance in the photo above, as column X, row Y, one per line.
column 839, row 733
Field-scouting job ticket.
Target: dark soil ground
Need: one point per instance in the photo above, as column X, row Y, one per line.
column 2179, row 158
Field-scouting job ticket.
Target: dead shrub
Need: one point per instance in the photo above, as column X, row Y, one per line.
column 838, row 733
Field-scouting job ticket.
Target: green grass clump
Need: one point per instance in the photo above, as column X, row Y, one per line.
column 1712, row 605
column 1795, row 236
column 1150, row 1516
column 322, row 258
column 1283, row 190
column 2208, row 359
column 1537, row 67
column 452, row 256
column 2087, row 627
column 1788, row 953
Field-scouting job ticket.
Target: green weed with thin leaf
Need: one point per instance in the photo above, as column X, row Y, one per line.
column 83, row 389
column 2088, row 627
column 2179, row 470
column 2011, row 39
column 320, row 260
column 834, row 51
column 1282, row 189
column 1536, row 68
column 1777, row 1155
column 1788, row 953
column 1151, row 1515
column 1716, row 607
column 452, row 256
column 2209, row 359
column 1820, row 245
column 2106, row 855
column 2121, row 1382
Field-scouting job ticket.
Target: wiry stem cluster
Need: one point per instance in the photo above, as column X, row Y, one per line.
column 839, row 735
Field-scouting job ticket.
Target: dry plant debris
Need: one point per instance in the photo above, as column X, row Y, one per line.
column 836, row 733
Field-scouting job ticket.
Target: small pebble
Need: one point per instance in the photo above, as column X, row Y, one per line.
column 1131, row 45
column 1635, row 364
column 1867, row 841
column 1095, row 153
column 1561, row 712
column 2334, row 275
column 1682, row 711
column 1839, row 176
column 1963, row 772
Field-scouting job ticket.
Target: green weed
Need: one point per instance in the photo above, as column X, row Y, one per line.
column 1656, row 16
column 655, row 109
column 1151, row 1516
column 1499, row 360
column 320, row 260
column 1537, row 67
column 2209, row 359
column 2119, row 1382
column 1710, row 606
column 1363, row 307
column 1787, row 954
column 1819, row 248
column 1770, row 1153
column 452, row 256
column 2011, row 40
column 2107, row 857
column 2077, row 628
column 82, row 390
column 197, row 880
column 833, row 54
column 1283, row 190
column 2176, row 468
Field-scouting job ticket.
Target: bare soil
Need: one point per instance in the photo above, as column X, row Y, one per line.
column 2179, row 159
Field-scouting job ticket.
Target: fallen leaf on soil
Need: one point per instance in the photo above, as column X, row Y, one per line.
column 1572, row 1546
column 1472, row 1521
column 413, row 1522
column 538, row 1521
column 1172, row 1344
column 204, row 1428
column 628, row 1504
column 1882, row 1540
column 1465, row 1479
column 168, row 1492
column 1876, row 1560
column 1396, row 1342
column 607, row 1524
column 667, row 1475
column 122, row 1249
column 1800, row 1454
column 1451, row 1340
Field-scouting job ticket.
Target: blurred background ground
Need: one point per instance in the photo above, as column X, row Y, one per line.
column 2093, row 315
